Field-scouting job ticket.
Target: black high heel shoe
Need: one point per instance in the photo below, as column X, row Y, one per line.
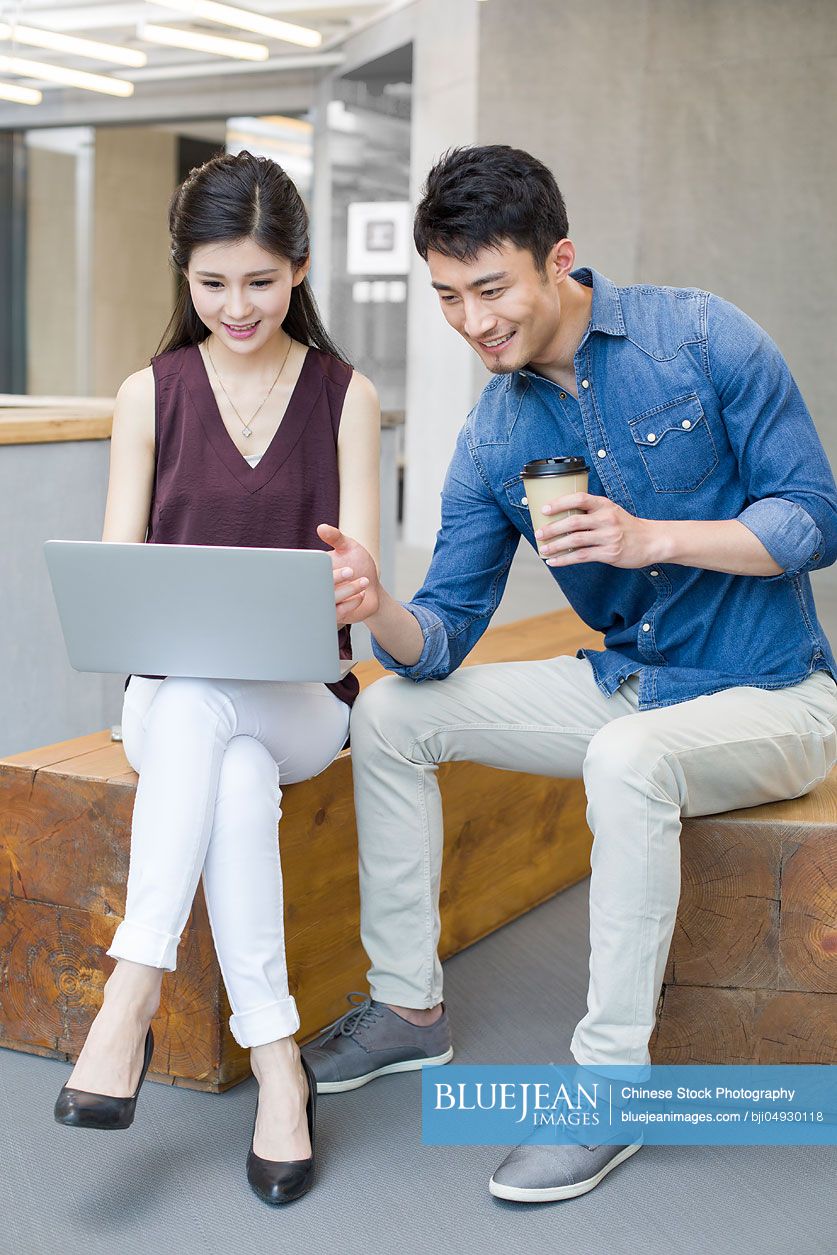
column 278, row 1181
column 82, row 1110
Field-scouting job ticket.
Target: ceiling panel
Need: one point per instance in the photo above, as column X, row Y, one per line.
column 116, row 23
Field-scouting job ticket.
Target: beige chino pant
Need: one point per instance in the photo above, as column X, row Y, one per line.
column 642, row 771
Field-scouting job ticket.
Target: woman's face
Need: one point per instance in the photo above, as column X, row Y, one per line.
column 241, row 292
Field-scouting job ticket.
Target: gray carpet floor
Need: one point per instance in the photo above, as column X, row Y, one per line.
column 175, row 1181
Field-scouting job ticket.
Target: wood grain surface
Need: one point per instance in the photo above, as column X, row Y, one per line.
column 53, row 425
column 745, row 1026
column 752, row 971
column 51, row 420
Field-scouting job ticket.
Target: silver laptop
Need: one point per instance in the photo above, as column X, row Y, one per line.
column 194, row 610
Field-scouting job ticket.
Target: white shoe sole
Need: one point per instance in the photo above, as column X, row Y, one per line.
column 408, row 1065
column 553, row 1194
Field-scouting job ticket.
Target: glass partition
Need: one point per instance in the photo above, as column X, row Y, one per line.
column 97, row 290
column 59, row 207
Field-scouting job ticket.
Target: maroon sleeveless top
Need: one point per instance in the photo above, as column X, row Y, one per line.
column 205, row 493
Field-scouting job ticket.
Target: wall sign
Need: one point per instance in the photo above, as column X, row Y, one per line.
column 379, row 238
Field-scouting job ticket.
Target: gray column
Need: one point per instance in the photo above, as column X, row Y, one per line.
column 12, row 262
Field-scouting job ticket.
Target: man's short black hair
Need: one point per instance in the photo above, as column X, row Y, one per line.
column 477, row 197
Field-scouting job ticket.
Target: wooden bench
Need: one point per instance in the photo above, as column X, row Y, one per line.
column 752, row 970
column 512, row 841
column 752, row 974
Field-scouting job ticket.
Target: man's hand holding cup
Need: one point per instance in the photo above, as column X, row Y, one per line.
column 572, row 526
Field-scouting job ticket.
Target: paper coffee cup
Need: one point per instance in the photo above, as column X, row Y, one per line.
column 548, row 480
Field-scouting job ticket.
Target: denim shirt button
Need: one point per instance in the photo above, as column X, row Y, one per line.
column 650, row 437
column 686, row 424
column 816, row 557
column 602, row 453
column 585, row 383
column 646, row 627
column 654, row 573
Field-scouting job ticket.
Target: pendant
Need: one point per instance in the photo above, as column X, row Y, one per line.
column 248, row 431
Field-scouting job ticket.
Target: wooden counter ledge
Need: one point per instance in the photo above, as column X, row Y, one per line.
column 49, row 420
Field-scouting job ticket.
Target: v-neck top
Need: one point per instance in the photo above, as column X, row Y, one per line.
column 205, row 491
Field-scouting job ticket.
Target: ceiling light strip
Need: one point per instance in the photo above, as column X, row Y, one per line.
column 66, row 77
column 58, row 42
column 20, row 95
column 197, row 42
column 243, row 19
column 215, row 69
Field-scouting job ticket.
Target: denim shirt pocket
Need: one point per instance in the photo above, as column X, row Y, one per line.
column 519, row 508
column 675, row 444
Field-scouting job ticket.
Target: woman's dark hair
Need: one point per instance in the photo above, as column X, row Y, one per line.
column 478, row 197
column 237, row 197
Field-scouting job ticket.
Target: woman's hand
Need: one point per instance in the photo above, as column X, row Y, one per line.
column 356, row 584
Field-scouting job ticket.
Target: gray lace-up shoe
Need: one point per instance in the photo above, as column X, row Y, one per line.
column 545, row 1174
column 369, row 1041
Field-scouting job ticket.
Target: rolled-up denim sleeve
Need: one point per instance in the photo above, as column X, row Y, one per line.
column 788, row 533
column 784, row 469
column 434, row 654
column 467, row 575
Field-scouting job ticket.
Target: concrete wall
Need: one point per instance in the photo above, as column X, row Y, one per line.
column 440, row 366
column 132, row 286
column 693, row 142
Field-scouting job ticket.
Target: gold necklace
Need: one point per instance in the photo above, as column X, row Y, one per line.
column 247, row 427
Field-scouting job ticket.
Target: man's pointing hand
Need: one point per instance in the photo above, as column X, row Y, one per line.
column 355, row 576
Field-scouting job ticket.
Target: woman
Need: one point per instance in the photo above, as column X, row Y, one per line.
column 247, row 429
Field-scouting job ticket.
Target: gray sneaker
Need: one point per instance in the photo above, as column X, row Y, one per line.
column 545, row 1174
column 369, row 1041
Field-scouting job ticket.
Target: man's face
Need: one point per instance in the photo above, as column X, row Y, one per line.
column 500, row 302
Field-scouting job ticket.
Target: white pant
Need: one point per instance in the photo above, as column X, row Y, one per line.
column 212, row 756
column 642, row 771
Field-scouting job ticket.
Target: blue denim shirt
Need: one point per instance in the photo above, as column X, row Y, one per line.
column 686, row 410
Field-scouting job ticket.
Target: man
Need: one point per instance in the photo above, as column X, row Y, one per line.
column 710, row 499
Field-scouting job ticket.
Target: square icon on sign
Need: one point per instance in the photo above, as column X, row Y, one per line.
column 379, row 238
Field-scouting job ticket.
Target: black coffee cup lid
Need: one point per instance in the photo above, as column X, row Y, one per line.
column 554, row 466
